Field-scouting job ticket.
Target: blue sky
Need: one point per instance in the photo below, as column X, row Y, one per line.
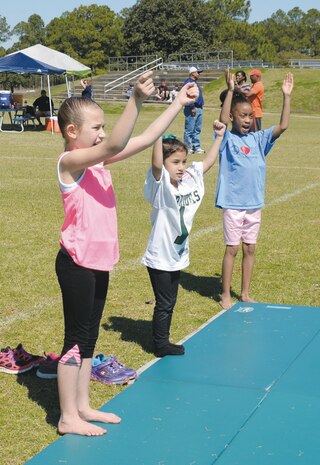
column 20, row 10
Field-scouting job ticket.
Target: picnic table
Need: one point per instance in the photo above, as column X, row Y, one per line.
column 18, row 119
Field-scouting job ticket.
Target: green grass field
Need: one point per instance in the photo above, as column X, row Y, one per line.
column 286, row 271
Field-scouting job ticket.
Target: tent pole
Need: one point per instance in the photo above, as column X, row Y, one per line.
column 50, row 105
column 67, row 86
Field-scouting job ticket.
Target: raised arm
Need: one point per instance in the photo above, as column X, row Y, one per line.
column 287, row 87
column 189, row 93
column 123, row 128
column 157, row 159
column 79, row 159
column 213, row 152
column 226, row 106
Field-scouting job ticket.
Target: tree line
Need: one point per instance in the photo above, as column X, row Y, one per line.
column 92, row 34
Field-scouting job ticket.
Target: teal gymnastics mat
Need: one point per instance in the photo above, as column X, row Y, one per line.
column 246, row 392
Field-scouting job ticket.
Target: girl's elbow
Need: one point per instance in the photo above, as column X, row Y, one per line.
column 114, row 149
column 283, row 127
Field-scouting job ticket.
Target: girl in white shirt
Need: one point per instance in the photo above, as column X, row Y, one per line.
column 175, row 194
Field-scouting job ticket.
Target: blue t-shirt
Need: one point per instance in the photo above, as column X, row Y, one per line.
column 242, row 170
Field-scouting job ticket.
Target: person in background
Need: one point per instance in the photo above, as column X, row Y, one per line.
column 129, row 91
column 41, row 106
column 193, row 116
column 255, row 96
column 163, row 92
column 173, row 93
column 241, row 81
column 87, row 88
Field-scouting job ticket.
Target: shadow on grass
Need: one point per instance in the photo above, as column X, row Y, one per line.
column 138, row 331
column 43, row 392
column 207, row 286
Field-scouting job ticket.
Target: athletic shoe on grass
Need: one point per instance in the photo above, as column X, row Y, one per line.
column 16, row 361
column 108, row 372
column 130, row 372
column 48, row 367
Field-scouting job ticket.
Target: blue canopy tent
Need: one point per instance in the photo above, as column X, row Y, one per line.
column 60, row 60
column 22, row 64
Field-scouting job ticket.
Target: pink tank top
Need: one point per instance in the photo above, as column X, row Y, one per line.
column 90, row 231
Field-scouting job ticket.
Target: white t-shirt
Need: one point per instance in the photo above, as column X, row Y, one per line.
column 172, row 214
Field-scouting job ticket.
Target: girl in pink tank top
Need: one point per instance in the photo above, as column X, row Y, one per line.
column 89, row 238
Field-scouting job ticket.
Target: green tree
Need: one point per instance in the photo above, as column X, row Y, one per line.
column 311, row 29
column 233, row 9
column 4, row 29
column 261, row 47
column 29, row 32
column 177, row 26
column 5, row 33
column 164, row 27
column 88, row 34
column 294, row 31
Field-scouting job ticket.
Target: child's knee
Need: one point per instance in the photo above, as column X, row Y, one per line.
column 248, row 249
column 232, row 250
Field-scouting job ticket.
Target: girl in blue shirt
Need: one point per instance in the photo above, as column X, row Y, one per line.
column 241, row 182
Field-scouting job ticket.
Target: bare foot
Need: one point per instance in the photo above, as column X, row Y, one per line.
column 247, row 298
column 225, row 302
column 79, row 426
column 97, row 415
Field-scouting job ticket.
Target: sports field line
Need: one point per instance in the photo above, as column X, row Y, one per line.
column 28, row 158
column 28, row 313
column 133, row 264
column 147, row 162
column 307, row 168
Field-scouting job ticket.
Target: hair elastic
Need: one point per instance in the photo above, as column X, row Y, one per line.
column 168, row 136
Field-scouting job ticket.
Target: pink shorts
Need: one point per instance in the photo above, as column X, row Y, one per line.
column 241, row 225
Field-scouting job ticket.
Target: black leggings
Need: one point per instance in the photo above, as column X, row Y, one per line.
column 84, row 293
column 165, row 287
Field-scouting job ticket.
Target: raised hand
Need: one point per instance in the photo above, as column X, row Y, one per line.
column 219, row 128
column 188, row 94
column 229, row 79
column 287, row 84
column 144, row 86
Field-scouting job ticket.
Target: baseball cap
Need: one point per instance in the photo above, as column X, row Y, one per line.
column 193, row 69
column 255, row 72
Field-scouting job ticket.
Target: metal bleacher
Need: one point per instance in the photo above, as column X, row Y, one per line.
column 113, row 86
column 124, row 70
column 304, row 63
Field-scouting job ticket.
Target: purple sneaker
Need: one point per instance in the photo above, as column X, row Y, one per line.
column 131, row 373
column 107, row 372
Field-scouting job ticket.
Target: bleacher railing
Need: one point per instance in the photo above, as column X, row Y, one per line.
column 216, row 64
column 127, row 63
column 155, row 64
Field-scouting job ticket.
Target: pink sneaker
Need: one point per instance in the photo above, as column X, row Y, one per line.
column 15, row 361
